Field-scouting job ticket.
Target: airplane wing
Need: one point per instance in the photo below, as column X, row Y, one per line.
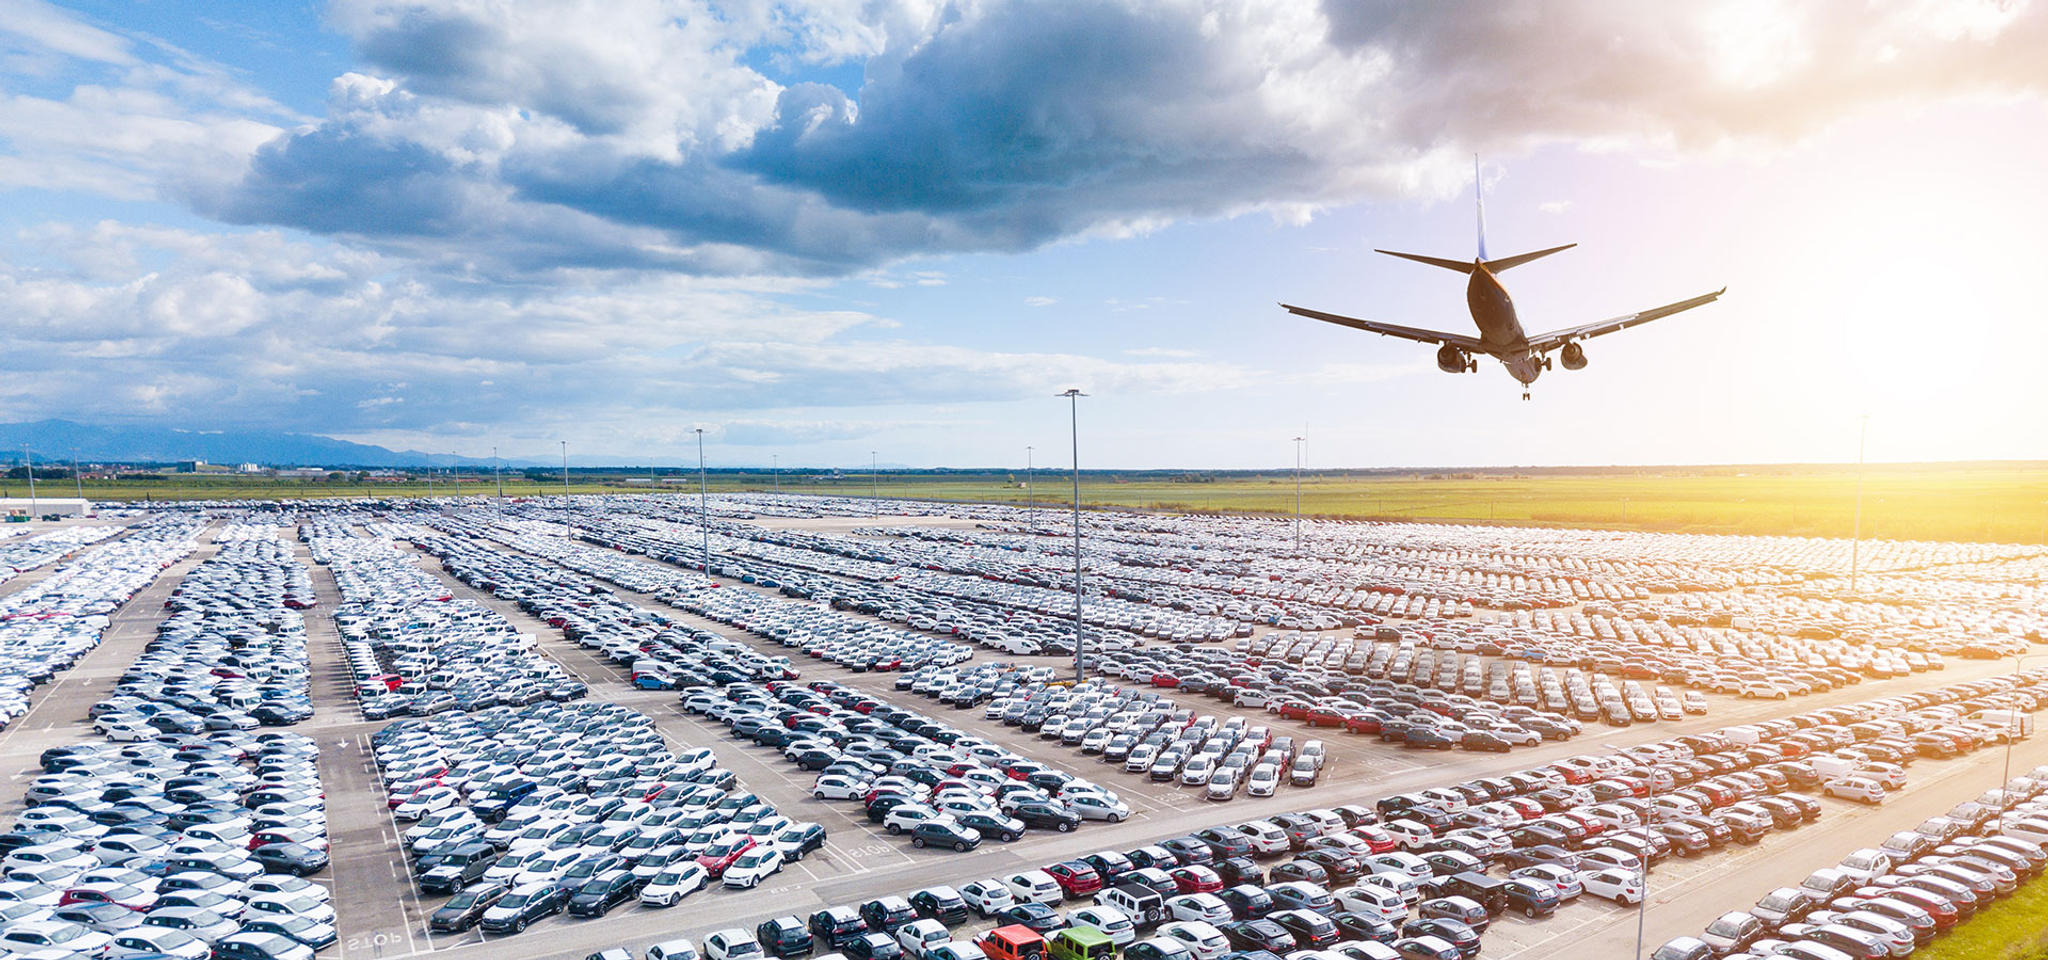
column 1458, row 340
column 1543, row 343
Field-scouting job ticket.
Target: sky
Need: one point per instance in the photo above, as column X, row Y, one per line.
column 827, row 231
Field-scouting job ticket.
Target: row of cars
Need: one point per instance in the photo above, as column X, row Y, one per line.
column 46, row 626
column 913, row 775
column 230, row 655
column 413, row 649
column 1890, row 900
column 21, row 552
column 1136, row 729
column 520, row 813
column 196, row 839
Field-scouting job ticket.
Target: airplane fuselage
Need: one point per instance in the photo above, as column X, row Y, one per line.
column 1493, row 312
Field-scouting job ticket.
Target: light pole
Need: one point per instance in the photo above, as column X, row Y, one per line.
column 875, row 482
column 775, row 467
column 79, row 479
column 565, row 468
column 1297, row 494
column 1074, row 425
column 703, row 505
column 1856, row 534
column 30, row 459
column 2012, row 734
column 496, row 477
column 1027, row 476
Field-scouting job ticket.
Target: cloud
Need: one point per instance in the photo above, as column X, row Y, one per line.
column 119, row 322
column 1040, row 301
column 1172, row 352
column 643, row 130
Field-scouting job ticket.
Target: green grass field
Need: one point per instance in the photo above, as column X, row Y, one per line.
column 2004, row 503
column 2008, row 930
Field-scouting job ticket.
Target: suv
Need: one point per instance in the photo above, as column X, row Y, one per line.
column 448, row 871
column 601, row 893
column 784, row 937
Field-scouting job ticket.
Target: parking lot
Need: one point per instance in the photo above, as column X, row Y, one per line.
column 836, row 592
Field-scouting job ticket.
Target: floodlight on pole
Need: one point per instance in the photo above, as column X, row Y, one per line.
column 1027, row 476
column 1074, row 427
column 565, row 468
column 30, row 459
column 875, row 482
column 703, row 504
column 1856, row 532
column 2012, row 734
column 1297, row 493
column 497, row 477
column 79, row 479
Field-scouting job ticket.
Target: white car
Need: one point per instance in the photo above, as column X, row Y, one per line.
column 834, row 786
column 1265, row 837
column 752, row 867
column 1098, row 806
column 1033, row 886
column 670, row 886
column 1566, row 882
column 1616, row 884
column 1203, row 940
column 1206, row 907
column 1860, row 789
column 1263, row 781
column 987, row 897
column 426, row 801
column 1113, row 923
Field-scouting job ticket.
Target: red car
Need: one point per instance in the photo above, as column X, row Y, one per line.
column 1362, row 723
column 1196, row 879
column 1378, row 840
column 134, row 898
column 1165, row 680
column 1076, row 878
column 724, row 853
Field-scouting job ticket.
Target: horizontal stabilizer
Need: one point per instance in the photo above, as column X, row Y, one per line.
column 1462, row 266
column 1496, row 266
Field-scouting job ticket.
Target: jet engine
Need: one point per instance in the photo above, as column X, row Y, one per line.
column 1450, row 359
column 1573, row 356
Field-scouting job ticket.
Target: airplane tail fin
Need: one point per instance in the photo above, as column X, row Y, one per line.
column 1492, row 266
column 1479, row 203
column 1465, row 266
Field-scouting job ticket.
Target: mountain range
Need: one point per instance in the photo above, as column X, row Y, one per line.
column 57, row 441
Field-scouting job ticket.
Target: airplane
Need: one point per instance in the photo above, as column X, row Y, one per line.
column 1500, row 331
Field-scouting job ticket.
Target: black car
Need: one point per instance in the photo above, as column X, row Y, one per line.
column 1352, row 925
column 1040, row 814
column 944, row 833
column 1247, row 901
column 991, row 826
column 1304, row 870
column 1042, row 919
column 463, row 910
column 1110, row 864
column 1341, row 868
column 784, row 937
column 305, row 930
column 599, row 894
column 1456, row 934
column 940, row 903
column 1311, row 930
column 1259, row 934
column 1236, row 870
column 296, row 859
column 1429, row 738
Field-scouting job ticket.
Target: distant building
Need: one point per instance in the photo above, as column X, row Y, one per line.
column 44, row 506
column 199, row 466
column 303, row 473
column 249, row 468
